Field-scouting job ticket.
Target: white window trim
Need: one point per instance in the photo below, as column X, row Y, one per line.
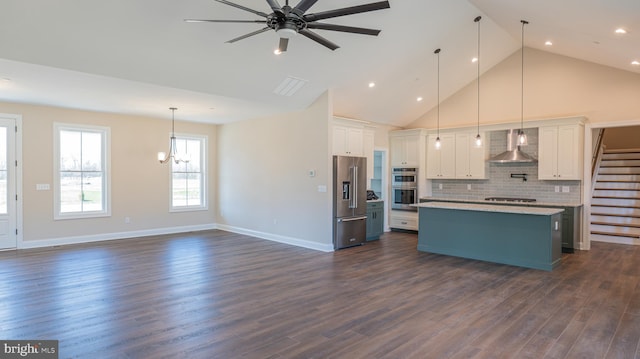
column 106, row 150
column 204, row 156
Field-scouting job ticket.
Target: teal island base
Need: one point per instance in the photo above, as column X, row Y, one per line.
column 515, row 236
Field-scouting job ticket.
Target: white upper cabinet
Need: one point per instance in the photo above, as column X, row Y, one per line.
column 348, row 140
column 560, row 152
column 471, row 160
column 405, row 151
column 368, row 147
column 441, row 163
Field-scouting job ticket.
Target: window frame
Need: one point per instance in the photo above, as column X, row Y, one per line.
column 204, row 204
column 105, row 133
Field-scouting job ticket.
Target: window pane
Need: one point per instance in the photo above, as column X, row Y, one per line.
column 193, row 189
column 193, row 149
column 179, row 192
column 70, row 192
column 92, row 191
column 70, row 156
column 91, row 151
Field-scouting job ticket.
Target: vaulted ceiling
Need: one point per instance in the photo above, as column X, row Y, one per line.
column 140, row 57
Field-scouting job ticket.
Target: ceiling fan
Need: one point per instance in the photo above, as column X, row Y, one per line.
column 288, row 21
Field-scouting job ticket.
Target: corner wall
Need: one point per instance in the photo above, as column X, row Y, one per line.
column 265, row 188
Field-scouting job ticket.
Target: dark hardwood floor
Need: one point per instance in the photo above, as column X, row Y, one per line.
column 215, row 294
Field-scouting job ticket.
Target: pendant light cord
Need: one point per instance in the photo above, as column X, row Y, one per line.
column 524, row 22
column 437, row 52
column 477, row 19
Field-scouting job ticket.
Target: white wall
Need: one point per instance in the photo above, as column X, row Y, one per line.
column 264, row 187
column 140, row 186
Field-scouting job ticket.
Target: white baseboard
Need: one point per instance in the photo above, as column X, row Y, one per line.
column 49, row 242
column 323, row 247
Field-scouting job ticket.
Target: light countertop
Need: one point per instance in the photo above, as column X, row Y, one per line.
column 540, row 211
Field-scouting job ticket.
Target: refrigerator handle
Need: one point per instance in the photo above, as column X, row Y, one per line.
column 352, row 219
column 354, row 195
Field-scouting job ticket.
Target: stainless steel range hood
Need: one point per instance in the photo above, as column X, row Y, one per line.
column 513, row 154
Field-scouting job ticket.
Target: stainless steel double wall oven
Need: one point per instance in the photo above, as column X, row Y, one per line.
column 404, row 188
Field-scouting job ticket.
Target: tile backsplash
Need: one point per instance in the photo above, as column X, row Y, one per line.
column 500, row 183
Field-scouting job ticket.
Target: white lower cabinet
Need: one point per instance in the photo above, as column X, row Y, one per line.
column 404, row 220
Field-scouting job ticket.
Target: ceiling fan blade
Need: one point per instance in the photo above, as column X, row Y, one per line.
column 303, row 6
column 282, row 46
column 351, row 29
column 275, row 6
column 347, row 11
column 317, row 38
column 259, row 13
column 249, row 34
column 235, row 21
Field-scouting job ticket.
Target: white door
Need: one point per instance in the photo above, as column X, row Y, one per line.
column 8, row 202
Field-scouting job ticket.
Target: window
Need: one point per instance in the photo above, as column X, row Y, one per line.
column 81, row 166
column 188, row 189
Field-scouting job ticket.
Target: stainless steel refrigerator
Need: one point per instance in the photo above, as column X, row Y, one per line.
column 349, row 201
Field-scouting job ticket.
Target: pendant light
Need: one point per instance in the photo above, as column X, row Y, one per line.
column 522, row 137
column 438, row 144
column 173, row 150
column 478, row 138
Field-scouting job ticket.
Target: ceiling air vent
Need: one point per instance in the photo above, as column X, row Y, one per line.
column 289, row 86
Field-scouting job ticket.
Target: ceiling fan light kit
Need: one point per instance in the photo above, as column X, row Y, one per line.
column 289, row 21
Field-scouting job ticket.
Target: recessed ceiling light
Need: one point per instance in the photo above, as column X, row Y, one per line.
column 548, row 43
column 372, row 84
column 474, row 60
column 419, row 99
column 635, row 63
column 621, row 31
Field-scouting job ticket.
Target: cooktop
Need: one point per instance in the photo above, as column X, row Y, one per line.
column 509, row 199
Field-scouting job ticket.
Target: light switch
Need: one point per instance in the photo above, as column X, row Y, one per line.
column 322, row 188
column 565, row 189
column 439, row 185
column 469, row 187
column 557, row 188
column 42, row 187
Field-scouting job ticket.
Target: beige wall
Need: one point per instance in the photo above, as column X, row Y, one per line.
column 140, row 185
column 555, row 86
column 264, row 184
column 622, row 137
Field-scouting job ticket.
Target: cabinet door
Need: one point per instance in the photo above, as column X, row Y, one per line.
column 355, row 141
column 548, row 153
column 569, row 147
column 441, row 162
column 447, row 156
column 478, row 157
column 397, row 147
column 339, row 140
column 433, row 158
column 463, row 146
column 412, row 148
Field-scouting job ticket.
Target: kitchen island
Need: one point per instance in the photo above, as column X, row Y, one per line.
column 516, row 235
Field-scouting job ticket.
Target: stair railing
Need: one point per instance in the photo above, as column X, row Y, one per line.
column 598, row 150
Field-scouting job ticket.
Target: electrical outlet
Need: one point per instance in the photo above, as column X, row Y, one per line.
column 127, row 220
column 557, row 188
column 469, row 187
column 439, row 185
